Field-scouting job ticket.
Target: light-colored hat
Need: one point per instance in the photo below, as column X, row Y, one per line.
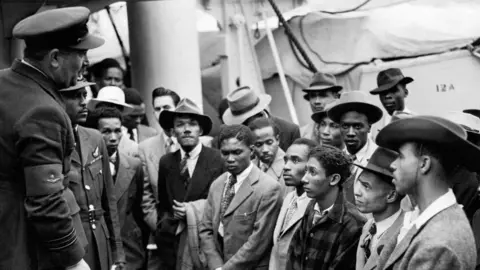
column 186, row 107
column 469, row 122
column 322, row 82
column 112, row 95
column 79, row 85
column 355, row 101
column 244, row 103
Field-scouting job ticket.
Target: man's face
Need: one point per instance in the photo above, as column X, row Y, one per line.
column 76, row 105
column 163, row 103
column 316, row 183
column 355, row 128
column 132, row 121
column 111, row 77
column 319, row 99
column 371, row 193
column 111, row 129
column 295, row 164
column 236, row 155
column 329, row 132
column 68, row 67
column 187, row 131
column 394, row 98
column 405, row 169
column 266, row 144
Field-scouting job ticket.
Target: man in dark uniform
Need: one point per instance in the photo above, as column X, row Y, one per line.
column 36, row 141
column 92, row 185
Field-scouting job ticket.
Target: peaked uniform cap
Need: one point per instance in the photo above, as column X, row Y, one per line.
column 189, row 108
column 112, row 95
column 322, row 82
column 431, row 129
column 355, row 101
column 244, row 103
column 58, row 28
column 380, row 162
column 389, row 78
column 79, row 85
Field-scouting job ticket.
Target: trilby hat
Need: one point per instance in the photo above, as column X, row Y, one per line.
column 189, row 108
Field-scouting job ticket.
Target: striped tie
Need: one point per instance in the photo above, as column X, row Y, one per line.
column 229, row 194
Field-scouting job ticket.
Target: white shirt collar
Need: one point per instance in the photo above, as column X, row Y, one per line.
column 324, row 212
column 299, row 198
column 443, row 202
column 194, row 153
column 383, row 225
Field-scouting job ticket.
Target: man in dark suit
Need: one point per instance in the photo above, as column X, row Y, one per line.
column 245, row 106
column 184, row 175
column 36, row 140
column 92, row 185
column 127, row 176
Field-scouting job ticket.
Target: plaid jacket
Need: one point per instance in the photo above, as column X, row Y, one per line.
column 329, row 244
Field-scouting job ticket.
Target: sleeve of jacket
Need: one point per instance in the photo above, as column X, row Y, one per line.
column 295, row 250
column 137, row 205
column 148, row 200
column 207, row 241
column 109, row 204
column 42, row 141
column 260, row 241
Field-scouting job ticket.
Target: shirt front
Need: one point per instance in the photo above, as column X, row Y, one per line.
column 112, row 164
column 192, row 160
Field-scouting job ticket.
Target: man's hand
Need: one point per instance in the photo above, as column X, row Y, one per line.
column 179, row 211
column 81, row 265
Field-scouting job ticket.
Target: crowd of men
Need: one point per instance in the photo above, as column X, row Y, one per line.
column 87, row 184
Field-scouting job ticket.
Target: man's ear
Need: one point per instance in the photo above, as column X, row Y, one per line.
column 392, row 196
column 335, row 179
column 53, row 58
column 406, row 91
column 425, row 163
column 201, row 131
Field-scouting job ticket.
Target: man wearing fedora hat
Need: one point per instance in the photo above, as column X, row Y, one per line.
column 440, row 237
column 328, row 131
column 355, row 113
column 92, row 185
column 322, row 90
column 376, row 194
column 244, row 106
column 36, row 141
column 184, row 175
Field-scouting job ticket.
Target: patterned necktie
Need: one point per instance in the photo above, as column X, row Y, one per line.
column 368, row 240
column 184, row 169
column 264, row 167
column 229, row 194
column 291, row 210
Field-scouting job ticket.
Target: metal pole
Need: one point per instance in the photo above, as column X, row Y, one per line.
column 120, row 42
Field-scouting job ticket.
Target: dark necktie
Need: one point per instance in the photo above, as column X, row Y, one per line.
column 132, row 136
column 368, row 240
column 229, row 194
column 184, row 169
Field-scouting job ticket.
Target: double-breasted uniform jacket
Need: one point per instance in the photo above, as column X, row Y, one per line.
column 128, row 192
column 94, row 190
column 36, row 140
column 171, row 187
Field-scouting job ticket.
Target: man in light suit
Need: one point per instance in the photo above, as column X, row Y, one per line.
column 376, row 194
column 437, row 234
column 268, row 156
column 241, row 209
column 295, row 202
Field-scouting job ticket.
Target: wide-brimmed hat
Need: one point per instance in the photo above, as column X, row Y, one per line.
column 380, row 162
column 470, row 123
column 388, row 78
column 474, row 112
column 79, row 85
column 322, row 82
column 110, row 94
column 356, row 101
column 189, row 108
column 318, row 116
column 432, row 129
column 244, row 103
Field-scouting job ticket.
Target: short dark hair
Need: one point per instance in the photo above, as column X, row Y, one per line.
column 161, row 91
column 240, row 132
column 441, row 153
column 310, row 144
column 105, row 112
column 99, row 68
column 263, row 123
column 132, row 96
column 333, row 160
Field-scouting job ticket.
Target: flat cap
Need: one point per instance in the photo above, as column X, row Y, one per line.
column 58, row 28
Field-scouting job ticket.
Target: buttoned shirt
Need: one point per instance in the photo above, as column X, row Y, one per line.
column 382, row 226
column 324, row 212
column 192, row 160
column 112, row 165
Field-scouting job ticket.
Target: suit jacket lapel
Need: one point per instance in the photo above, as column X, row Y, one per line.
column 199, row 180
column 401, row 247
column 86, row 146
column 124, row 176
column 218, row 197
column 244, row 191
column 281, row 217
column 277, row 166
column 175, row 182
column 297, row 216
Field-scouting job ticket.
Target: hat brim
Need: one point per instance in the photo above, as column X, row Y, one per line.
column 374, row 113
column 89, row 42
column 231, row 119
column 420, row 129
column 79, row 85
column 473, row 112
column 166, row 120
column 336, row 88
column 92, row 104
column 375, row 169
column 388, row 86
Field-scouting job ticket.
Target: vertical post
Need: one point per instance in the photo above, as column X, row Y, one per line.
column 164, row 49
